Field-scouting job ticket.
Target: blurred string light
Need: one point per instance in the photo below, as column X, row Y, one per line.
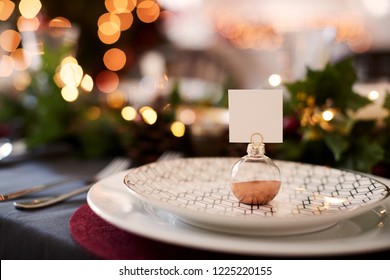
column 129, row 113
column 116, row 99
column 6, row 9
column 69, row 77
column 27, row 24
column 328, row 115
column 119, row 17
column 114, row 59
column 275, row 80
column 17, row 61
column 9, row 40
column 107, row 81
column 93, row 113
column 373, row 95
column 29, row 8
column 187, row 116
column 178, row 129
column 149, row 115
column 244, row 34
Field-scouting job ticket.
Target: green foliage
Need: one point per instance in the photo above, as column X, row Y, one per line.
column 353, row 143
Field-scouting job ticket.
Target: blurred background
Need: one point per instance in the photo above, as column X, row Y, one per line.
column 140, row 77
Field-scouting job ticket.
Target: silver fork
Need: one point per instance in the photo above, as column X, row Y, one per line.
column 116, row 165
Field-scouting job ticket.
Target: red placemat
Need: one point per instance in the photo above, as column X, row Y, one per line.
column 106, row 241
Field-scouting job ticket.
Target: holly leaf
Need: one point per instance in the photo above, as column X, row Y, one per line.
column 337, row 144
column 364, row 155
column 356, row 101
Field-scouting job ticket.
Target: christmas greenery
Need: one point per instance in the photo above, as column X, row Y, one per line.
column 321, row 124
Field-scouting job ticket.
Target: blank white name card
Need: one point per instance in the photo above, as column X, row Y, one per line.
column 255, row 111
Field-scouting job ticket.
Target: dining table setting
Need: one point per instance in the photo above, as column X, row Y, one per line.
column 60, row 206
column 138, row 132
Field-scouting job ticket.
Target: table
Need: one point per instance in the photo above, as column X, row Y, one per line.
column 44, row 233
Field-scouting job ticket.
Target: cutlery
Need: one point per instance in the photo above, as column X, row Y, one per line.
column 116, row 165
column 46, row 201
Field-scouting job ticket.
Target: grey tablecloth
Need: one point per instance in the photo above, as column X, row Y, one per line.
column 45, row 234
column 42, row 233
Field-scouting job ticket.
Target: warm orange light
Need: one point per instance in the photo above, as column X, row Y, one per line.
column 373, row 95
column 87, row 83
column 6, row 66
column 109, row 18
column 27, row 24
column 71, row 74
column 114, row 59
column 109, row 28
column 107, row 81
column 29, row 8
column 148, row 115
column 116, row 99
column 21, row 81
column 70, row 93
column 22, row 59
column 178, row 129
column 126, row 20
column 6, row 9
column 129, row 113
column 148, row 11
column 93, row 113
column 109, row 39
column 328, row 115
column 69, row 59
column 120, row 6
column 60, row 22
column 9, row 40
column 57, row 79
column 187, row 116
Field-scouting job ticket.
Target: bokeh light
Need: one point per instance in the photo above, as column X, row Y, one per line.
column 87, row 83
column 22, row 59
column 373, row 95
column 6, row 9
column 116, row 99
column 126, row 21
column 148, row 114
column 58, row 26
column 27, row 24
column 21, row 81
column 9, row 40
column 109, row 39
column 148, row 11
column 129, row 113
column 275, row 80
column 93, row 113
column 6, row 66
column 71, row 74
column 328, row 115
column 70, row 93
column 60, row 22
column 107, row 81
column 187, row 116
column 178, row 129
column 114, row 59
column 120, row 6
column 29, row 8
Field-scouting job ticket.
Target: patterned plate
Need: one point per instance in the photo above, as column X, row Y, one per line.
column 197, row 191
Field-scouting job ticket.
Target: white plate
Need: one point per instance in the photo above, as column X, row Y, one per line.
column 364, row 233
column 197, row 191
